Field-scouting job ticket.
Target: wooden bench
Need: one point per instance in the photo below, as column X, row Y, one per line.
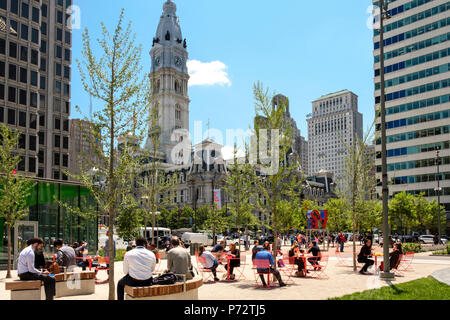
column 177, row 291
column 75, row 284
column 25, row 290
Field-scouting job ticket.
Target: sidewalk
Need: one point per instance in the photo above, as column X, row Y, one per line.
column 342, row 281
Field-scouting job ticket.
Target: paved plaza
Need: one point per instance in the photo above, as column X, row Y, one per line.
column 342, row 280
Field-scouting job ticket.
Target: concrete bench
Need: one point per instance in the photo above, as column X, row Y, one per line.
column 75, row 284
column 25, row 290
column 177, row 291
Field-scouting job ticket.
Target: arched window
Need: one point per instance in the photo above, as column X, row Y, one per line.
column 157, row 86
column 178, row 86
column 177, row 112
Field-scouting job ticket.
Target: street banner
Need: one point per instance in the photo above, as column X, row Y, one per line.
column 217, row 198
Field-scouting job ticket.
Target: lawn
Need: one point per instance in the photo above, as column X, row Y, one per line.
column 421, row 289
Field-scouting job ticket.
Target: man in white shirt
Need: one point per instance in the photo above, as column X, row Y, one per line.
column 138, row 266
column 27, row 271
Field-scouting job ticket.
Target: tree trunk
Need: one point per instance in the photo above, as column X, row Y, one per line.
column 8, row 273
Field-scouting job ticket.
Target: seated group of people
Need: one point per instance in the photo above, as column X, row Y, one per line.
column 212, row 262
column 366, row 253
column 139, row 265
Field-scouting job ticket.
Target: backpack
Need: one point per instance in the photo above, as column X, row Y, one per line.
column 165, row 279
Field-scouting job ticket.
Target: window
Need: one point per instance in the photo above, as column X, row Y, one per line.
column 32, row 143
column 59, row 52
column 66, row 90
column 67, row 109
column 2, row 69
column 12, row 117
column 24, row 53
column 24, row 32
column 58, row 69
column 44, row 28
column 11, row 94
column 14, row 8
column 25, row 10
column 2, row 46
column 15, row 28
column 56, row 175
column 67, row 37
column 59, row 16
column 34, row 57
column 3, row 4
column 57, row 141
column 41, row 136
column 65, row 162
column 33, row 99
column 58, row 86
column 65, row 142
column 22, row 141
column 21, row 166
column 34, row 78
column 22, row 119
column 23, row 75
column 2, row 114
column 57, row 124
column 42, row 101
column 67, row 72
column 67, row 55
column 2, row 91
column 32, row 163
column 33, row 121
column 66, row 125
column 23, row 97
column 56, row 159
column 42, row 83
column 44, row 10
column 58, row 34
column 43, row 46
column 34, row 36
column 35, row 15
column 12, row 50
column 12, row 72
column 41, row 156
column 43, row 66
column 42, row 121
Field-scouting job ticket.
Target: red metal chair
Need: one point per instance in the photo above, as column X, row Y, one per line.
column 201, row 263
column 262, row 265
column 159, row 259
column 407, row 260
column 240, row 270
column 103, row 264
column 318, row 269
column 398, row 266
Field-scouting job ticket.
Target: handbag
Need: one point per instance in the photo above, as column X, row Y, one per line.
column 165, row 279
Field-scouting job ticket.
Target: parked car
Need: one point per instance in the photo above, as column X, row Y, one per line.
column 426, row 239
column 195, row 238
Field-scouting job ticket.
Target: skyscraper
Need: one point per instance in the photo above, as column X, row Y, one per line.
column 35, row 74
column 417, row 62
column 169, row 77
column 334, row 124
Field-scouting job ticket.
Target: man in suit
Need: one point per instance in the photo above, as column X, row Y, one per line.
column 179, row 260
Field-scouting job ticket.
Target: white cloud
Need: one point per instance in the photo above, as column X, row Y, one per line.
column 228, row 153
column 208, row 73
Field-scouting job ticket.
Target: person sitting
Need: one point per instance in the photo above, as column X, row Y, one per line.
column 211, row 261
column 179, row 260
column 155, row 251
column 130, row 246
column 394, row 257
column 65, row 255
column 138, row 267
column 39, row 259
column 235, row 262
column 315, row 250
column 27, row 271
column 256, row 249
column 167, row 246
column 363, row 257
column 266, row 255
column 220, row 247
column 80, row 253
column 295, row 258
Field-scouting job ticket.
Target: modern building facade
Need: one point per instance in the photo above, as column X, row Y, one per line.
column 417, row 65
column 333, row 126
column 35, row 74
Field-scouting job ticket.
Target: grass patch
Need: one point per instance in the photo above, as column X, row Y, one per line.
column 421, row 289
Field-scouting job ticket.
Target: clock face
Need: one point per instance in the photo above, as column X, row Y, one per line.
column 178, row 61
column 158, row 61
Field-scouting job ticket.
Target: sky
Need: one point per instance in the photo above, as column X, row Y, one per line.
column 299, row 48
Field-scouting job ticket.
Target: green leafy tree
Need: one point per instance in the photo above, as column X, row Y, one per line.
column 117, row 81
column 201, row 215
column 216, row 222
column 239, row 187
column 129, row 221
column 338, row 215
column 401, row 209
column 279, row 170
column 359, row 182
column 15, row 188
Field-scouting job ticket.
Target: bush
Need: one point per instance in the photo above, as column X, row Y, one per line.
column 119, row 254
column 412, row 247
column 444, row 252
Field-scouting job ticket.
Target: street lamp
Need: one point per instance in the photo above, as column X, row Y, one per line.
column 438, row 192
column 386, row 274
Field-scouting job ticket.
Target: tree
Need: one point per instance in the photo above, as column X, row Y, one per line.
column 401, row 210
column 338, row 215
column 239, row 188
column 278, row 170
column 359, row 182
column 15, row 188
column 116, row 80
column 129, row 221
column 216, row 221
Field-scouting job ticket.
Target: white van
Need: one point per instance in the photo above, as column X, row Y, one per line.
column 195, row 238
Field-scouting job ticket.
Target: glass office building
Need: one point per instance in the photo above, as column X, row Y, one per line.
column 417, row 65
column 50, row 221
